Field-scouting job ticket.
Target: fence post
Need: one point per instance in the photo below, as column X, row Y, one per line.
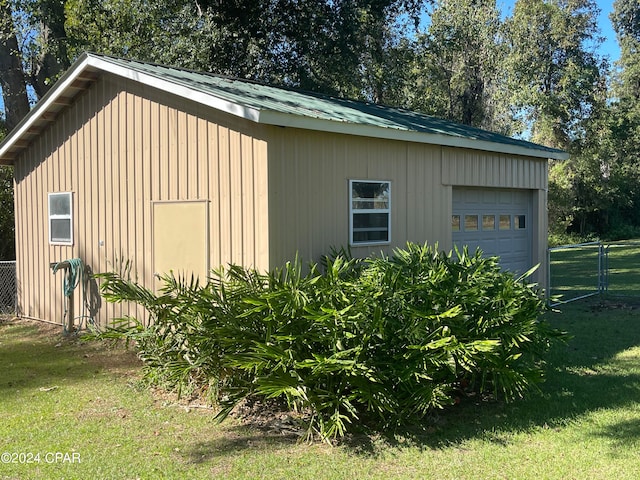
column 603, row 268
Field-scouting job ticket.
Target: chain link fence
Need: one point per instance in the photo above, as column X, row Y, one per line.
column 622, row 269
column 8, row 287
column 576, row 272
column 611, row 270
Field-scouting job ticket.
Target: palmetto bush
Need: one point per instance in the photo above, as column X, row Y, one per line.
column 385, row 339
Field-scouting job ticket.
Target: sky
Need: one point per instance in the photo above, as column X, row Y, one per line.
column 609, row 47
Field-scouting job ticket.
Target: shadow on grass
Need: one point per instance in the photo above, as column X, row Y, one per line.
column 36, row 356
column 582, row 377
column 624, row 435
column 238, row 439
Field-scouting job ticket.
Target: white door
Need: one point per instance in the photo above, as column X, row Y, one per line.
column 498, row 221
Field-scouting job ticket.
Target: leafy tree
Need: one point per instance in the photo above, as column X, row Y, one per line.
column 7, row 230
column 459, row 61
column 12, row 80
column 626, row 82
column 600, row 184
column 554, row 74
column 614, row 143
column 290, row 42
column 626, row 22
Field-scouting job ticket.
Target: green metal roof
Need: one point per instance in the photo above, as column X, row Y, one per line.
column 281, row 106
column 313, row 105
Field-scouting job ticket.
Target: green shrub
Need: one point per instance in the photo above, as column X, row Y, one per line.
column 557, row 239
column 388, row 339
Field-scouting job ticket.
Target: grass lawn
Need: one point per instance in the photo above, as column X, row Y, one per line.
column 83, row 400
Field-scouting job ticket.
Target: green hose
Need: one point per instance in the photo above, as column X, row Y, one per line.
column 75, row 272
column 72, row 278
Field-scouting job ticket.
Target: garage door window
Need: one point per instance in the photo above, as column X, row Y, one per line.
column 370, row 212
column 455, row 223
column 489, row 222
column 470, row 223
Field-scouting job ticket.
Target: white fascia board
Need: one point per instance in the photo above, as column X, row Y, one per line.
column 170, row 86
column 42, row 106
column 309, row 123
column 92, row 63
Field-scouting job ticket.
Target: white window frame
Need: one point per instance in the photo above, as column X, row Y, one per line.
column 68, row 216
column 353, row 211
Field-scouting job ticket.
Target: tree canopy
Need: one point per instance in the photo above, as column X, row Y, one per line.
column 533, row 73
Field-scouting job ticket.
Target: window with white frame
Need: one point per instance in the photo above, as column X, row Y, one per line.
column 369, row 212
column 61, row 218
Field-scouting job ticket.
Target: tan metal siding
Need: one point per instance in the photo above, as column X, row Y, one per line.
column 474, row 168
column 308, row 192
column 118, row 148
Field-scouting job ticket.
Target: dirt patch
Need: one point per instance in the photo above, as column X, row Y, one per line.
column 43, row 328
column 615, row 305
column 271, row 417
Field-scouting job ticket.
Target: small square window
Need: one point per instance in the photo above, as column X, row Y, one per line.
column 488, row 222
column 471, row 223
column 61, row 218
column 505, row 222
column 520, row 222
column 370, row 211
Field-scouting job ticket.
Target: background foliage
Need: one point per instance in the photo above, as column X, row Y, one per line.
column 531, row 73
column 383, row 341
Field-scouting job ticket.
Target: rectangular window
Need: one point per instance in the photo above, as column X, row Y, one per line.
column 60, row 218
column 520, row 222
column 370, row 211
column 455, row 223
column 471, row 223
column 488, row 222
column 505, row 222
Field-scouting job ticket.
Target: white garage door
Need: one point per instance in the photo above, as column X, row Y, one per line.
column 498, row 221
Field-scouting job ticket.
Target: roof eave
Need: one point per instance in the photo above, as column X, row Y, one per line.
column 176, row 89
column 9, row 145
column 10, row 148
column 347, row 128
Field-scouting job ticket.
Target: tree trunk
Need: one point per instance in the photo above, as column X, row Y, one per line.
column 12, row 82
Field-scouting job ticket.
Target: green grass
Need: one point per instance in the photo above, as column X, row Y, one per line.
column 71, row 397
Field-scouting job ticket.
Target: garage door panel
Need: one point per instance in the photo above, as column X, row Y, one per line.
column 498, row 222
column 506, row 198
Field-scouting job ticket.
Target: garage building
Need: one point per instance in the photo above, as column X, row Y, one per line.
column 171, row 169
